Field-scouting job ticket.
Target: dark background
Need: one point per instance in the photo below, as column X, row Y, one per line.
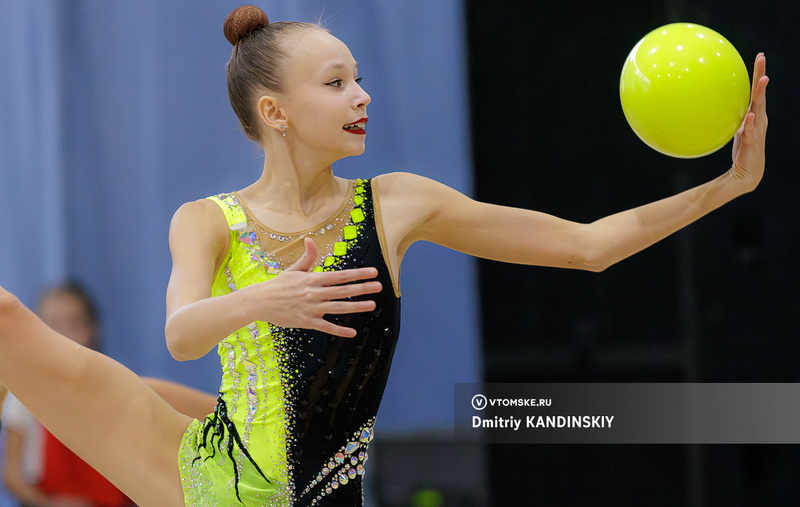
column 717, row 302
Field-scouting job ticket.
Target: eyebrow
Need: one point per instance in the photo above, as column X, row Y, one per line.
column 336, row 66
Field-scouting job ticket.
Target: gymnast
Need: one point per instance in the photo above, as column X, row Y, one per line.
column 294, row 281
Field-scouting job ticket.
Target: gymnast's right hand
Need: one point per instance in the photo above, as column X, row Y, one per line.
column 300, row 298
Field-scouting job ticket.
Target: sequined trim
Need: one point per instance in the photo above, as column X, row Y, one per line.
column 350, row 232
column 344, row 466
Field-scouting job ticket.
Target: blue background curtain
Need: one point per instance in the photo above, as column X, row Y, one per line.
column 115, row 113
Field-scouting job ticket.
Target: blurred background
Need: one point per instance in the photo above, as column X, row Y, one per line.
column 115, row 113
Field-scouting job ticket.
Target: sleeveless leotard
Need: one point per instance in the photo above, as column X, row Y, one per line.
column 297, row 407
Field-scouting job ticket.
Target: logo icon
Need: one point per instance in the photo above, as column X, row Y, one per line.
column 479, row 402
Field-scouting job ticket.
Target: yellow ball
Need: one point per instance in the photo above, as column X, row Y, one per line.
column 684, row 90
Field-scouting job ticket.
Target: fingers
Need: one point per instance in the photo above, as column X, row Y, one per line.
column 346, row 307
column 332, row 329
column 352, row 290
column 758, row 99
column 305, row 298
column 759, row 70
column 755, row 120
column 749, row 142
column 340, row 308
column 759, row 105
column 306, row 262
column 335, row 302
column 328, row 278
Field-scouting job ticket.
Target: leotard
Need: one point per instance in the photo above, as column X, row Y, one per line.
column 297, row 407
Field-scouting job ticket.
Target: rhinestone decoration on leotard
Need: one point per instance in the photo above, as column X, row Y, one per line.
column 344, row 466
column 279, row 250
column 350, row 232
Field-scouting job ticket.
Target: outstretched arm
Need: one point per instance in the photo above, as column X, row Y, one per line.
column 442, row 215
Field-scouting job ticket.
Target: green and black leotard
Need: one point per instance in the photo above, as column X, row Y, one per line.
column 297, row 407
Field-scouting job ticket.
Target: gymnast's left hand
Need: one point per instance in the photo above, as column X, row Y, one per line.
column 748, row 144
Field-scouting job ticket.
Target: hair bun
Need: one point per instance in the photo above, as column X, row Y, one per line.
column 242, row 21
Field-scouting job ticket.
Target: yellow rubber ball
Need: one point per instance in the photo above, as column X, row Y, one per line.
column 684, row 90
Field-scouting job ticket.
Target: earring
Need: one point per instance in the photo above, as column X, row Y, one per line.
column 285, row 129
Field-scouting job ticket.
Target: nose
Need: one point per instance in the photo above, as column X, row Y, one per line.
column 362, row 98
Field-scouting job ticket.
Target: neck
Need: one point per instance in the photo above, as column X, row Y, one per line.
column 294, row 185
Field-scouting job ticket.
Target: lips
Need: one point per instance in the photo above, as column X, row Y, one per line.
column 356, row 127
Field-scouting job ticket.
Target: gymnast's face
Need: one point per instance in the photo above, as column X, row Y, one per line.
column 67, row 314
column 324, row 105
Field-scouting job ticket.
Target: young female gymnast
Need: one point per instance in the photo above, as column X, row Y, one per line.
column 294, row 280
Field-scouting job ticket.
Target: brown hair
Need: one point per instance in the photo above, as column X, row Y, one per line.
column 258, row 58
column 77, row 290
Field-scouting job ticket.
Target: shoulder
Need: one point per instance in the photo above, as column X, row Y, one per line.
column 412, row 204
column 400, row 178
column 424, row 194
column 403, row 185
column 201, row 210
column 203, row 218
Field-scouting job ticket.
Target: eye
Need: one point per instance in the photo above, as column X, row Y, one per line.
column 338, row 83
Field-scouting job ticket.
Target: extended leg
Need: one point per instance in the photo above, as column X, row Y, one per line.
column 97, row 407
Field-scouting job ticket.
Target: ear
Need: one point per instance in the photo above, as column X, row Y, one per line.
column 270, row 113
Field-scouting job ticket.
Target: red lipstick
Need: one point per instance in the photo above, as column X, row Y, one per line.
column 357, row 127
